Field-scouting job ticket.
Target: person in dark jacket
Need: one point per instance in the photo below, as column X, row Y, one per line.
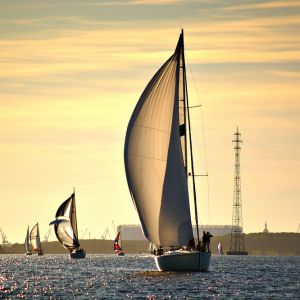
column 204, row 240
column 208, row 236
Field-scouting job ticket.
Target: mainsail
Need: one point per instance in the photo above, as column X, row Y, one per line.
column 35, row 238
column 65, row 225
column 27, row 244
column 155, row 156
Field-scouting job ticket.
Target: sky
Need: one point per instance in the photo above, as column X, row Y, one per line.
column 71, row 73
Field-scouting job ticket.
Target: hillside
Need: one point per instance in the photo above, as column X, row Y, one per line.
column 256, row 244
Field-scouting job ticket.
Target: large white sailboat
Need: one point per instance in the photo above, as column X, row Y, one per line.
column 65, row 227
column 35, row 239
column 156, row 165
column 27, row 243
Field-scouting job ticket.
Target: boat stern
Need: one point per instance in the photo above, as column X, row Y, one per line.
column 183, row 261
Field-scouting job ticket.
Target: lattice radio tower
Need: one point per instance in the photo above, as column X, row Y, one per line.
column 237, row 245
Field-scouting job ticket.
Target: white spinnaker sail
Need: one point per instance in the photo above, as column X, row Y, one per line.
column 66, row 236
column 35, row 238
column 66, row 227
column 154, row 160
column 27, row 244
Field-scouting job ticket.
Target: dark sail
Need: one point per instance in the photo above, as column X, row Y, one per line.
column 65, row 225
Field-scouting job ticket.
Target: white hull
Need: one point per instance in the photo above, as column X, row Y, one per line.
column 183, row 261
column 77, row 254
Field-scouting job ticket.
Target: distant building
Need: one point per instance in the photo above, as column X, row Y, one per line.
column 135, row 233
column 131, row 232
column 266, row 228
column 215, row 230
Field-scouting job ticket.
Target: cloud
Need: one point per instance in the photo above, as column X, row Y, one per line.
column 264, row 5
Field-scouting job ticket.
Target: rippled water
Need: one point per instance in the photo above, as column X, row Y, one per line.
column 135, row 276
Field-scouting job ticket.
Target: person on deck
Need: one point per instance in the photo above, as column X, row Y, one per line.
column 160, row 251
column 191, row 244
column 204, row 240
column 208, row 236
column 199, row 246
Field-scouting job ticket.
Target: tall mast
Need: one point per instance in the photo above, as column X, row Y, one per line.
column 182, row 66
column 74, row 213
column 190, row 138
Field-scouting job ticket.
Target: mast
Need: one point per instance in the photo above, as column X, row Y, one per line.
column 190, row 138
column 74, row 215
column 183, row 100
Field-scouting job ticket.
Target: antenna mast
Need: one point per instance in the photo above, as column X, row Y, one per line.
column 237, row 246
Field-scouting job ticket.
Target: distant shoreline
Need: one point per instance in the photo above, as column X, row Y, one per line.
column 271, row 244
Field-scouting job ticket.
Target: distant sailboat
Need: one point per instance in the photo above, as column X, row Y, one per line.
column 156, row 165
column 27, row 243
column 35, row 239
column 117, row 245
column 151, row 248
column 65, row 227
column 220, row 248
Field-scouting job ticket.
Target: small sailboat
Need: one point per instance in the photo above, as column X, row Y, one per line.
column 156, row 165
column 27, row 243
column 35, row 239
column 117, row 245
column 65, row 227
column 151, row 248
column 220, row 248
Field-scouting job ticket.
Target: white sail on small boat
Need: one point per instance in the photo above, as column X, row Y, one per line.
column 35, row 239
column 65, row 227
column 220, row 248
column 27, row 243
column 117, row 245
column 151, row 248
column 156, row 165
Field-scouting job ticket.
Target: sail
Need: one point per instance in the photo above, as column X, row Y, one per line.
column 65, row 226
column 35, row 238
column 220, row 248
column 117, row 247
column 27, row 244
column 154, row 157
column 66, row 236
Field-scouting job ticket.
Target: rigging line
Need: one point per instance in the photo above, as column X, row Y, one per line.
column 203, row 133
column 202, row 156
column 185, row 89
column 200, row 103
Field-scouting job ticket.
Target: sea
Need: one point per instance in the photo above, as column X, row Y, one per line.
column 136, row 277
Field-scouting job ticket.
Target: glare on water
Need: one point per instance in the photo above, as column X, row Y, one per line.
column 135, row 276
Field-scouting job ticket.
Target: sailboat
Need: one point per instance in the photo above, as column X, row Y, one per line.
column 35, row 239
column 65, row 227
column 27, row 243
column 220, row 248
column 156, row 165
column 151, row 248
column 117, row 247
